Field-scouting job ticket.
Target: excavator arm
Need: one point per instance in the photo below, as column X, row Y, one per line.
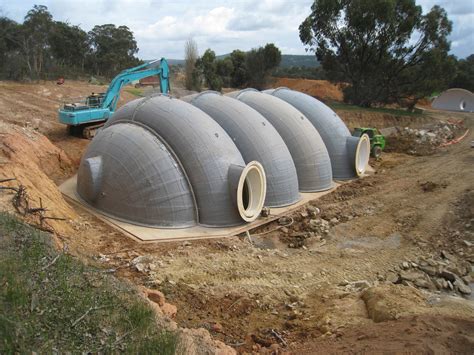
column 142, row 71
column 85, row 118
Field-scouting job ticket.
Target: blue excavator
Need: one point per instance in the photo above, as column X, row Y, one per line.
column 84, row 118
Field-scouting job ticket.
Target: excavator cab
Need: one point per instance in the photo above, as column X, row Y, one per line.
column 95, row 100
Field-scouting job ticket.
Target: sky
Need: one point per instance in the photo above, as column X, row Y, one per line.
column 161, row 27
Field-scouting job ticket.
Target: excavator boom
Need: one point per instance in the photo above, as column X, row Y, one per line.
column 84, row 118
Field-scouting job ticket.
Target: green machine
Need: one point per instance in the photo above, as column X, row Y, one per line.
column 377, row 140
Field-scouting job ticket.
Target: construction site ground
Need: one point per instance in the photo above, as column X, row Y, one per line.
column 354, row 271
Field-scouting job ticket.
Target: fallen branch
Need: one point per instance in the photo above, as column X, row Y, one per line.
column 234, row 303
column 6, row 180
column 8, row 188
column 279, row 337
column 85, row 315
column 51, row 263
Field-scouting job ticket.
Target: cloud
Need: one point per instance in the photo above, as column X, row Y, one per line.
column 250, row 23
column 161, row 27
column 210, row 23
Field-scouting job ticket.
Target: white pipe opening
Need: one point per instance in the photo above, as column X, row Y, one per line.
column 362, row 154
column 251, row 191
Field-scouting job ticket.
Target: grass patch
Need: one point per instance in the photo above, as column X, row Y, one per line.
column 135, row 91
column 391, row 111
column 52, row 302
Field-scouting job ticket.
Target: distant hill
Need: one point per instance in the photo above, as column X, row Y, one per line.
column 295, row 60
column 287, row 60
column 175, row 61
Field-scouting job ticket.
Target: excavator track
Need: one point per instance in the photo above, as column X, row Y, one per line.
column 89, row 132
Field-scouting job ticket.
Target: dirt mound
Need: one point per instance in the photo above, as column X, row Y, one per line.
column 321, row 89
column 366, row 118
column 424, row 141
column 34, row 162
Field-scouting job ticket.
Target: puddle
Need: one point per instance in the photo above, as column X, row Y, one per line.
column 369, row 242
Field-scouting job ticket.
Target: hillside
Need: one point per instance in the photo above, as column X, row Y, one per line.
column 293, row 60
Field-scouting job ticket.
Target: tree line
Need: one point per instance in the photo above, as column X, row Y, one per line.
column 42, row 48
column 239, row 69
column 388, row 51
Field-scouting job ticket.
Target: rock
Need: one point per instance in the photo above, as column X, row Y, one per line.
column 140, row 267
column 411, row 275
column 169, row 310
column 449, row 276
column 461, row 287
column 468, row 243
column 392, row 277
column 284, row 230
column 423, row 283
column 304, row 214
column 334, row 220
column 275, row 347
column 265, row 212
column 450, row 285
column 405, row 265
column 284, row 220
column 448, row 256
column 438, row 283
column 217, row 327
column 156, row 296
column 430, row 270
column 361, row 285
column 431, row 262
column 312, row 209
column 457, row 269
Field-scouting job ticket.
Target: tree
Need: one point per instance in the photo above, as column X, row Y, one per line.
column 224, row 69
column 208, row 66
column 10, row 59
column 239, row 71
column 113, row 49
column 192, row 80
column 260, row 62
column 464, row 77
column 382, row 48
column 35, row 45
column 69, row 44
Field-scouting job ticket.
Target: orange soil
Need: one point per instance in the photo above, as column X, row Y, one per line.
column 321, row 89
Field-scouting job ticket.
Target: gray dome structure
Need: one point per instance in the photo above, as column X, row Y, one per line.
column 349, row 155
column 214, row 160
column 202, row 149
column 257, row 140
column 127, row 172
column 309, row 153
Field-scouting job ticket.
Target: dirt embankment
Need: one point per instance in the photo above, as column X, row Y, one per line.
column 321, row 89
column 36, row 164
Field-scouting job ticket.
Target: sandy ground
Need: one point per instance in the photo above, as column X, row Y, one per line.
column 297, row 288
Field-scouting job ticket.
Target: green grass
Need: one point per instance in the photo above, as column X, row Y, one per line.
column 66, row 306
column 391, row 111
column 135, row 91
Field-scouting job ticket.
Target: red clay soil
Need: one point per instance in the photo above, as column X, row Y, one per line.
column 321, row 89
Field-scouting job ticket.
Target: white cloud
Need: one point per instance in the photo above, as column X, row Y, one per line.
column 162, row 26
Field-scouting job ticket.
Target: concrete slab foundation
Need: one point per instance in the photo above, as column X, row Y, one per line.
column 149, row 234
